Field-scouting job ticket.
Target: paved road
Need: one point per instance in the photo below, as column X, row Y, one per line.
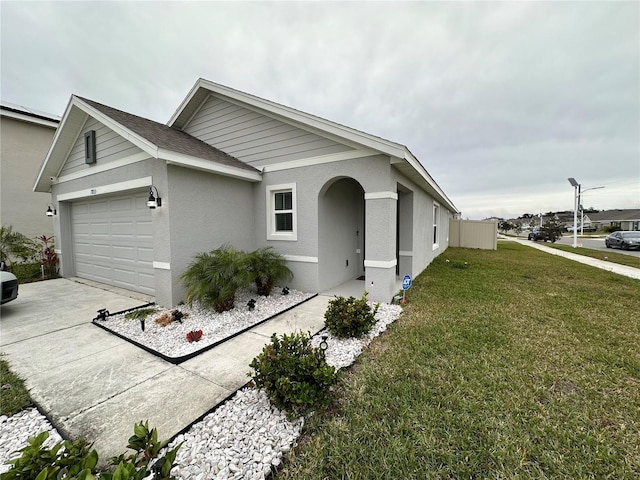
column 593, row 243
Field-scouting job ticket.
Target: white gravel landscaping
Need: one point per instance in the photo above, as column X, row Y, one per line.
column 171, row 340
column 245, row 438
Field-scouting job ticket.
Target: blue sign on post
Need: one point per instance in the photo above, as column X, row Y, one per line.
column 406, row 282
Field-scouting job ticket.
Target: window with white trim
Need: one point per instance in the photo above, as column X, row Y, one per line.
column 436, row 216
column 281, row 212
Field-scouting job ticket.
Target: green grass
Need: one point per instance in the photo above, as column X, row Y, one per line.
column 13, row 394
column 608, row 255
column 522, row 365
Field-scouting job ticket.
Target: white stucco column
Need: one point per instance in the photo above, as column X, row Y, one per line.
column 380, row 245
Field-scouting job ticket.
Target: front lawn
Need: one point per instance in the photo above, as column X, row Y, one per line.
column 608, row 255
column 519, row 364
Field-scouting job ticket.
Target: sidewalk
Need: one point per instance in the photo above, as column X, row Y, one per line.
column 594, row 262
column 95, row 385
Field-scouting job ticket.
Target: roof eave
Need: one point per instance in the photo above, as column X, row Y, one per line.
column 180, row 159
column 51, row 169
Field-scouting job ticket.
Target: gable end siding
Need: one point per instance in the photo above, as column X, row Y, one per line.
column 254, row 138
column 109, row 147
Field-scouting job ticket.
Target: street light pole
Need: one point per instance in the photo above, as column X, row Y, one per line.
column 576, row 187
column 582, row 208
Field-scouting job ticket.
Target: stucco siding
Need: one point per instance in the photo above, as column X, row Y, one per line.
column 24, row 147
column 422, row 246
column 109, row 147
column 255, row 138
column 312, row 182
column 207, row 211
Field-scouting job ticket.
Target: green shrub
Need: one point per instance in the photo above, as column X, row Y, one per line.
column 293, row 373
column 77, row 461
column 16, row 245
column 350, row 317
column 267, row 267
column 26, row 272
column 37, row 461
column 213, row 278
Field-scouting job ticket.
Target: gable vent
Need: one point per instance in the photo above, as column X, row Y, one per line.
column 90, row 147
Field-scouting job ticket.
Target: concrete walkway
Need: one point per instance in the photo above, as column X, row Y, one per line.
column 95, row 385
column 594, row 262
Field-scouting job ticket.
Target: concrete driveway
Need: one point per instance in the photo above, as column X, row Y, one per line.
column 95, row 385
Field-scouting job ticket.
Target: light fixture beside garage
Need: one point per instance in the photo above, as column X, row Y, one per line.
column 156, row 201
column 50, row 211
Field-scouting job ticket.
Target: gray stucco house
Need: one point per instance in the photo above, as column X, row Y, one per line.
column 232, row 168
column 25, row 137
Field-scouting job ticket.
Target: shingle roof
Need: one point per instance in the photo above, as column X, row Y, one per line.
column 616, row 215
column 169, row 138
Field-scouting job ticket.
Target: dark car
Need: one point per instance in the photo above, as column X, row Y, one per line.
column 9, row 286
column 623, row 240
column 539, row 233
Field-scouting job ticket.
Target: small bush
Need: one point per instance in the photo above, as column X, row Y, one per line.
column 350, row 317
column 37, row 461
column 77, row 461
column 26, row 272
column 213, row 278
column 267, row 267
column 293, row 373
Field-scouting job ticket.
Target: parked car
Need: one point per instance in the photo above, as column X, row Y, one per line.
column 623, row 240
column 539, row 233
column 9, row 286
column 586, row 228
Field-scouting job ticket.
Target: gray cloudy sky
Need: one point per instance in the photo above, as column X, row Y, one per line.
column 500, row 101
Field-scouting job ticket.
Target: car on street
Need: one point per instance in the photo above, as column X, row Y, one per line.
column 586, row 228
column 9, row 286
column 539, row 233
column 625, row 240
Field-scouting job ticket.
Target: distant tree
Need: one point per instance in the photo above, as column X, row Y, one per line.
column 505, row 225
column 552, row 229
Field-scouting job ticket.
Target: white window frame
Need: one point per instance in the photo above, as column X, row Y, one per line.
column 436, row 225
column 272, row 234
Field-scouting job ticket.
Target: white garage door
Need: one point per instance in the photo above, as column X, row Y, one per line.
column 113, row 241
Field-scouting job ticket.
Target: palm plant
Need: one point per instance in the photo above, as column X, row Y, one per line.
column 213, row 278
column 267, row 267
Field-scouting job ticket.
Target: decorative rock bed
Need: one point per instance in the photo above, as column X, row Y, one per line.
column 171, row 342
column 244, row 438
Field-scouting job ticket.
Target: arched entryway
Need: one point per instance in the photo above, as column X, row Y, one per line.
column 341, row 232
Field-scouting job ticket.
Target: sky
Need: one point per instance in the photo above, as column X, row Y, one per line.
column 501, row 102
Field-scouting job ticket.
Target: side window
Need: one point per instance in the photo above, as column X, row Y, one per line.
column 436, row 218
column 281, row 212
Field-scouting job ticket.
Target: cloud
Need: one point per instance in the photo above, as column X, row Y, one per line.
column 492, row 97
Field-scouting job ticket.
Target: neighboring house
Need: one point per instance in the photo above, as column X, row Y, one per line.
column 628, row 219
column 232, row 168
column 25, row 138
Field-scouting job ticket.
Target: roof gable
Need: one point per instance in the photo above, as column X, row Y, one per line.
column 155, row 139
column 400, row 155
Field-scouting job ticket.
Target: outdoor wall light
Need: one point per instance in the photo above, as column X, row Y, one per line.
column 156, row 201
column 50, row 211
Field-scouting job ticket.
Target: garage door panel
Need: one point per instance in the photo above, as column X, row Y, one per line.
column 121, row 205
column 145, row 255
column 124, row 253
column 113, row 241
column 97, row 207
